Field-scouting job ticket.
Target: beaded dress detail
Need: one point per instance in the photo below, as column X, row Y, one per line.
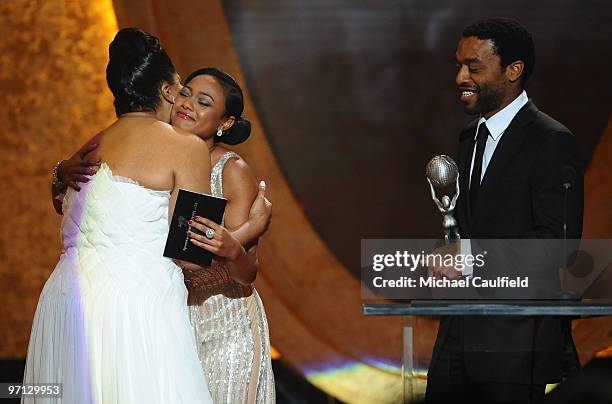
column 231, row 332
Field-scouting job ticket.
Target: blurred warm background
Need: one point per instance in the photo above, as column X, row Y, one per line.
column 348, row 100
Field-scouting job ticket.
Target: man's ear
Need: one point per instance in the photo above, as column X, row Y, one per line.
column 168, row 92
column 514, row 71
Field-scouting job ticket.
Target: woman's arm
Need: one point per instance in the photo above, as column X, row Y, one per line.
column 259, row 219
column 58, row 188
column 203, row 282
column 241, row 265
column 240, row 189
column 247, row 234
column 68, row 173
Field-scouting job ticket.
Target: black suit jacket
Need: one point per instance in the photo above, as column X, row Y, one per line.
column 521, row 197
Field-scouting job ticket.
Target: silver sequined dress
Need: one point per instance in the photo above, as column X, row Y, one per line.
column 232, row 336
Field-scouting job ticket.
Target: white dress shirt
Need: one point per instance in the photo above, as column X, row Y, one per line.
column 497, row 125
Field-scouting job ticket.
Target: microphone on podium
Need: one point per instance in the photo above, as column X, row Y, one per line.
column 568, row 175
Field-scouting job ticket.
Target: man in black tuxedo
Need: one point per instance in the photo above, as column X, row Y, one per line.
column 512, row 163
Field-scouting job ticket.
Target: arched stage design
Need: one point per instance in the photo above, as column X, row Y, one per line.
column 53, row 56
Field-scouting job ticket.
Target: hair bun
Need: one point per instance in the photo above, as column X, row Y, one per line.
column 127, row 50
column 136, row 69
column 238, row 133
column 131, row 43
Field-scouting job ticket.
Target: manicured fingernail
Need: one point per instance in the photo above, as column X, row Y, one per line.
column 190, row 222
column 189, row 233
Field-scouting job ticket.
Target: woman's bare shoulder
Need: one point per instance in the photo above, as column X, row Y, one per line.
column 237, row 166
column 238, row 178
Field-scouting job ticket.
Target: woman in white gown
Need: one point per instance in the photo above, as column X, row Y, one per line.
column 112, row 324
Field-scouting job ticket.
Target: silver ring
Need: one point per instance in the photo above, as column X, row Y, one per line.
column 210, row 234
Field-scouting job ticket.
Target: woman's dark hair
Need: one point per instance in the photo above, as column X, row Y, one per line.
column 511, row 42
column 136, row 70
column 234, row 105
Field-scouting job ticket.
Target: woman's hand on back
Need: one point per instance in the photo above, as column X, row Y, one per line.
column 79, row 167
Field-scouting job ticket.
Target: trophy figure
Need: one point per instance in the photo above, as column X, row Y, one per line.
column 442, row 173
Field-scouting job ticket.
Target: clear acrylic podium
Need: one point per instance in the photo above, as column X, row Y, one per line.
column 414, row 380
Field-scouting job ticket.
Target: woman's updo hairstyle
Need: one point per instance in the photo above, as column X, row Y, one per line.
column 234, row 105
column 136, row 70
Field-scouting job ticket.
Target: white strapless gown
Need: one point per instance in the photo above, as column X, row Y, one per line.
column 112, row 323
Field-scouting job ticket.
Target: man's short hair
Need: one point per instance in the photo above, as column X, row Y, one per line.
column 511, row 41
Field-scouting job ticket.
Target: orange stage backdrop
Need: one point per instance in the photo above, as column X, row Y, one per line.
column 53, row 93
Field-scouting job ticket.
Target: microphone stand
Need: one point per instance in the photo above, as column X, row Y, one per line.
column 564, row 271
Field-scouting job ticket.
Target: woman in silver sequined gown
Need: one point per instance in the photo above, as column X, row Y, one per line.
column 226, row 312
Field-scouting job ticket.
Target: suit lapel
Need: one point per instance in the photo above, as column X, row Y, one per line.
column 504, row 154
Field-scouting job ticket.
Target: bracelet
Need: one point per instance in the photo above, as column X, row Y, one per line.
column 55, row 181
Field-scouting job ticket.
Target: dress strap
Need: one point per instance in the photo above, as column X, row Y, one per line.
column 216, row 176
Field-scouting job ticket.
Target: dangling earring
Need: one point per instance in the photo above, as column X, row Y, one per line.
column 219, row 132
